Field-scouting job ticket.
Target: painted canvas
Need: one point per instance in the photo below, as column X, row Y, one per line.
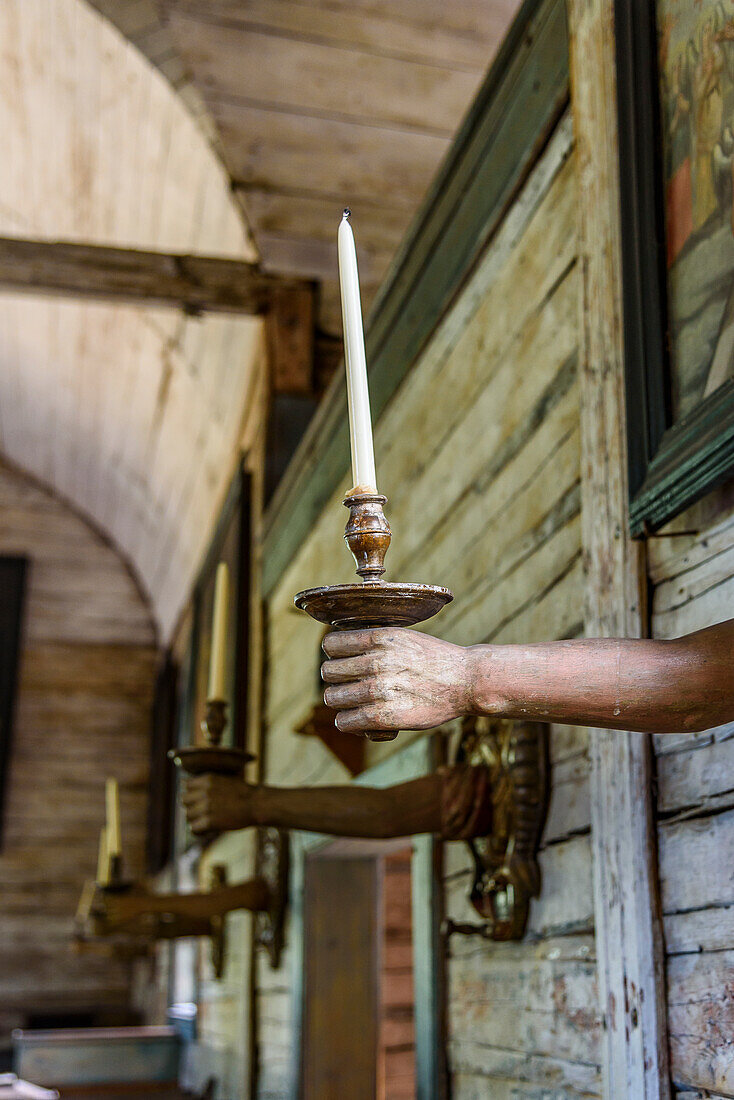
column 696, row 68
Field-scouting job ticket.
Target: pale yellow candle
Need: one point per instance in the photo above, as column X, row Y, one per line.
column 112, row 804
column 103, row 862
column 218, row 660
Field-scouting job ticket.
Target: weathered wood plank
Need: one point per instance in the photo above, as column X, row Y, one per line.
column 628, row 930
column 676, row 554
column 518, row 997
column 274, row 151
column 387, row 33
column 290, row 337
column 693, row 775
column 699, row 599
column 696, row 1094
column 470, row 1086
column 697, row 863
column 569, row 811
column 235, row 62
column 699, row 931
column 492, row 426
column 701, row 1021
column 191, row 282
column 479, row 1067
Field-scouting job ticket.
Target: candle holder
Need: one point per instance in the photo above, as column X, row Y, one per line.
column 128, row 914
column 212, row 756
column 117, row 883
column 373, row 602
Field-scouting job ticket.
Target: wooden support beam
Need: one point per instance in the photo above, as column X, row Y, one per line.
column 195, row 283
column 290, row 342
column 626, row 902
column 290, row 336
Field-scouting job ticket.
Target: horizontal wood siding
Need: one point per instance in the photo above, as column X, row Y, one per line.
column 693, row 586
column 478, row 452
column 87, row 670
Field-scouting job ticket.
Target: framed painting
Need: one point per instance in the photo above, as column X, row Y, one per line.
column 675, row 81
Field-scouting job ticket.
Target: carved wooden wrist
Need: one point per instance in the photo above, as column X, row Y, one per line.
column 259, row 807
column 483, row 675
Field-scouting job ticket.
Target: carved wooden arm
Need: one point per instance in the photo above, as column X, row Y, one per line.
column 454, row 803
column 395, row 679
column 136, row 911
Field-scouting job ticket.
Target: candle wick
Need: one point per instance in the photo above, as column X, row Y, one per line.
column 347, row 212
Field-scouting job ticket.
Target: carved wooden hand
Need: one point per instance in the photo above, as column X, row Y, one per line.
column 220, row 803
column 393, row 679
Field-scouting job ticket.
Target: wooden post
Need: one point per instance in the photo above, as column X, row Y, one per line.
column 626, row 901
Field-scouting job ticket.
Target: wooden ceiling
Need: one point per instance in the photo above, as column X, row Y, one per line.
column 255, row 124
column 314, row 105
column 132, row 413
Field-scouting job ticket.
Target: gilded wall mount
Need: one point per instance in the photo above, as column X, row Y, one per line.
column 272, row 864
column 506, row 871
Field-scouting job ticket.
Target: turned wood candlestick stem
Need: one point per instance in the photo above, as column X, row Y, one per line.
column 212, row 756
column 373, row 602
column 215, row 722
column 367, row 534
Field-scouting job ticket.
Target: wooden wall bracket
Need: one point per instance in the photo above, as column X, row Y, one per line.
column 349, row 751
column 506, row 871
column 127, row 915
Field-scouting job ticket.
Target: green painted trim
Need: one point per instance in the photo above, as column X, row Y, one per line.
column 500, row 140
column 694, row 456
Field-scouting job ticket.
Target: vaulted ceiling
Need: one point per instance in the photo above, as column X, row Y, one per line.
column 237, row 128
column 132, row 414
column 315, row 105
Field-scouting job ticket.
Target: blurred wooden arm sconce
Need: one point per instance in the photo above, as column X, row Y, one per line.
column 131, row 918
column 494, row 797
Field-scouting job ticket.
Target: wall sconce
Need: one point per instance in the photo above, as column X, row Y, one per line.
column 124, row 913
column 494, row 798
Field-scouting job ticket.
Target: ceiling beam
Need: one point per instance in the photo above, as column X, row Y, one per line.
column 197, row 284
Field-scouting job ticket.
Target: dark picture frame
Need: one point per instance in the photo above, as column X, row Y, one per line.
column 13, row 582
column 670, row 464
column 161, row 783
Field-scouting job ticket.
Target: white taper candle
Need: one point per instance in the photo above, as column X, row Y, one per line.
column 358, row 397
